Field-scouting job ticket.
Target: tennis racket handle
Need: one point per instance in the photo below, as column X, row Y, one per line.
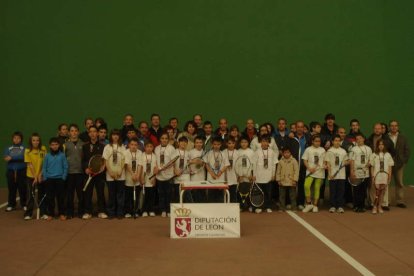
column 38, row 213
column 87, row 183
column 135, row 196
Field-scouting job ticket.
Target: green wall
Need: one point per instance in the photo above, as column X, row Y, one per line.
column 64, row 60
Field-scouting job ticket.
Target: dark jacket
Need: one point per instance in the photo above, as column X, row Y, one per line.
column 389, row 145
column 281, row 142
column 401, row 151
column 245, row 134
column 295, row 147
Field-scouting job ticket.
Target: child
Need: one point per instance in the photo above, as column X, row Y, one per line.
column 181, row 171
column 164, row 153
column 216, row 164
column 89, row 149
column 194, row 157
column 149, row 167
column 16, row 172
column 55, row 172
column 265, row 160
column 361, row 155
column 287, row 176
column 231, row 154
column 73, row 150
column 114, row 179
column 381, row 160
column 63, row 133
column 335, row 158
column 132, row 177
column 245, row 150
column 315, row 164
column 34, row 156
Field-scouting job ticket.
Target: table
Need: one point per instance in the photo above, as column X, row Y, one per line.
column 201, row 185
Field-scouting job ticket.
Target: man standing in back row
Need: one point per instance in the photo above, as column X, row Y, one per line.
column 400, row 156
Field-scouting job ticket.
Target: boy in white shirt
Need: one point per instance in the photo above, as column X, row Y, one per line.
column 336, row 159
column 132, row 177
column 148, row 164
column 195, row 156
column 245, row 150
column 164, row 153
column 361, row 155
column 314, row 160
column 231, row 154
column 216, row 164
column 264, row 170
column 180, row 171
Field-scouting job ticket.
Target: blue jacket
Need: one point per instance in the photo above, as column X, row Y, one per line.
column 16, row 152
column 55, row 166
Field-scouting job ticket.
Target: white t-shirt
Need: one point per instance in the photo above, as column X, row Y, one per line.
column 148, row 163
column 201, row 175
column 130, row 157
column 336, row 157
column 250, row 154
column 315, row 158
column 264, row 167
column 165, row 154
column 361, row 156
column 376, row 160
column 255, row 145
column 231, row 174
column 181, row 164
column 210, row 160
column 108, row 155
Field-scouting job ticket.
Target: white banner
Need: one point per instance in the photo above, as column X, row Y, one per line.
column 211, row 220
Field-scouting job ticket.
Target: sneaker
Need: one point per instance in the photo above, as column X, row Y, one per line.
column 127, row 215
column 258, row 211
column 401, row 205
column 49, row 218
column 332, row 210
column 164, row 214
column 62, row 217
column 288, row 207
column 308, row 208
column 315, row 209
column 250, row 209
column 168, row 215
column 152, row 214
column 9, row 209
column 381, row 210
column 86, row 216
column 145, row 214
column 45, row 217
column 24, row 208
column 301, row 207
column 340, row 210
column 350, row 205
column 268, row 210
column 102, row 216
column 374, row 210
column 27, row 218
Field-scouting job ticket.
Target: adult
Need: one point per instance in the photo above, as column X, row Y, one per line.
column 329, row 129
column 355, row 129
column 222, row 131
column 155, row 128
column 145, row 135
column 127, row 125
column 173, row 123
column 84, row 136
column 401, row 157
column 190, row 132
column 198, row 120
column 297, row 145
column 281, row 134
column 250, row 131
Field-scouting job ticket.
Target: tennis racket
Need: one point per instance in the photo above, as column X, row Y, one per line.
column 134, row 168
column 216, row 162
column 319, row 161
column 381, row 177
column 335, row 162
column 35, row 196
column 195, row 165
column 256, row 195
column 243, row 170
column 166, row 166
column 96, row 165
column 14, row 152
column 359, row 177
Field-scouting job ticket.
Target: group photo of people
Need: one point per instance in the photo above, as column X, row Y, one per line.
column 135, row 170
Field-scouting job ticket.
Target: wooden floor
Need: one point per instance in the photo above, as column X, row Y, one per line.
column 271, row 244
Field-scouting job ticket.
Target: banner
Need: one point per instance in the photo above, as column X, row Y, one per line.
column 211, row 220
